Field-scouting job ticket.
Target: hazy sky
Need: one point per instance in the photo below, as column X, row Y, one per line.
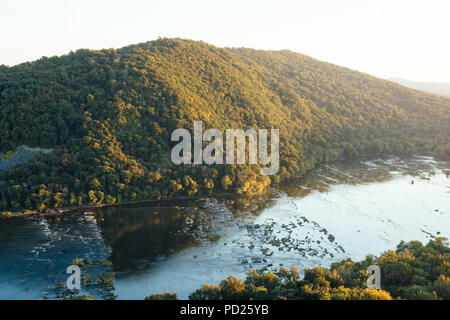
column 395, row 38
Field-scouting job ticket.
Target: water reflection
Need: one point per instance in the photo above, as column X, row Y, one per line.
column 145, row 233
column 362, row 172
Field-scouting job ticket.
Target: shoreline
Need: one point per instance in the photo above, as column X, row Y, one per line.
column 65, row 210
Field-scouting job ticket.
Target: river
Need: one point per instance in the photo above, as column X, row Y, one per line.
column 341, row 210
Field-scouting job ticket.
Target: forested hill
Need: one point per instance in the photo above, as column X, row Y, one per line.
column 109, row 115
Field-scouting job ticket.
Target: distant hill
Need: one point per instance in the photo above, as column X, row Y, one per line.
column 109, row 115
column 432, row 87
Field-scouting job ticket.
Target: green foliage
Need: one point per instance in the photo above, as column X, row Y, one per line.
column 109, row 115
column 164, row 296
column 413, row 271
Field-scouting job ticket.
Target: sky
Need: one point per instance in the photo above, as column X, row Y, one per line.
column 395, row 38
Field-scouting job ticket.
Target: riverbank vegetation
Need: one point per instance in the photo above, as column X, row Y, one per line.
column 109, row 114
column 413, row 271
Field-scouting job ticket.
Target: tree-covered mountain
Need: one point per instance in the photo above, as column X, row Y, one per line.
column 109, row 115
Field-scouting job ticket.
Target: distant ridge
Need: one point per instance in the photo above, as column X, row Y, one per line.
column 440, row 88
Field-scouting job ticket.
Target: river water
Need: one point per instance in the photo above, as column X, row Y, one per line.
column 339, row 211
